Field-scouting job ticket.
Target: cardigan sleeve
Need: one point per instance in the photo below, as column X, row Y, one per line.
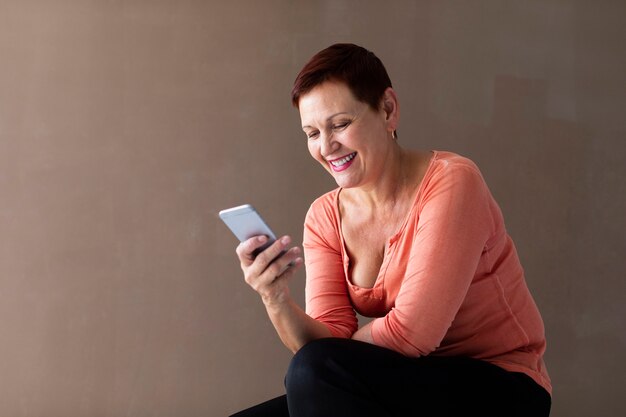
column 326, row 293
column 449, row 236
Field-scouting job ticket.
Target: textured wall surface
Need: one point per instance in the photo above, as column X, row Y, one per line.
column 126, row 125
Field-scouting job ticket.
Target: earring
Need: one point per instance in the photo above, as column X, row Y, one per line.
column 394, row 135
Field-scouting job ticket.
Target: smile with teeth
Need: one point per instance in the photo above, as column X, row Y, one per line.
column 338, row 163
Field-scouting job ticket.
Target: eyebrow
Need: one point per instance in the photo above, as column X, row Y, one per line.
column 328, row 118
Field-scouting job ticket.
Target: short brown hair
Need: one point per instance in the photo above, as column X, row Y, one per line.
column 361, row 70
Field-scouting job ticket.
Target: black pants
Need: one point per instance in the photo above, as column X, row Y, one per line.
column 345, row 378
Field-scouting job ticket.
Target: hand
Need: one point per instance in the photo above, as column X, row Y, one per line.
column 269, row 272
column 364, row 334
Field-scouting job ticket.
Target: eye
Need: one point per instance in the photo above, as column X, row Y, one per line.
column 313, row 134
column 341, row 125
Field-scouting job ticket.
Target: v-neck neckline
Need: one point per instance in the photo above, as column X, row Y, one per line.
column 389, row 244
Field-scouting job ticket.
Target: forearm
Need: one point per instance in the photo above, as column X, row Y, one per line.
column 364, row 334
column 294, row 327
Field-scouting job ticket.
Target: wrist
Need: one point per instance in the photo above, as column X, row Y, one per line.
column 276, row 302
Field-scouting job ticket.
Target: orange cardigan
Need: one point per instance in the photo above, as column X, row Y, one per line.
column 450, row 283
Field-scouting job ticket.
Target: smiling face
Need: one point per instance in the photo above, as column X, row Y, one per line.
column 346, row 136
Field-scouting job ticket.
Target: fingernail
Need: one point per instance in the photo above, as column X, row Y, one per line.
column 285, row 240
column 262, row 239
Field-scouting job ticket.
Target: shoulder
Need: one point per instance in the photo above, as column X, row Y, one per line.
column 324, row 205
column 322, row 216
column 453, row 169
column 455, row 192
column 452, row 162
column 453, row 180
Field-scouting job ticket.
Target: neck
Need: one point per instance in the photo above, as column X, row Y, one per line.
column 391, row 185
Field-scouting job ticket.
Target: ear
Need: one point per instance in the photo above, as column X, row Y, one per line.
column 391, row 109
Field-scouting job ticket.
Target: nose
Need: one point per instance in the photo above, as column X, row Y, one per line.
column 327, row 143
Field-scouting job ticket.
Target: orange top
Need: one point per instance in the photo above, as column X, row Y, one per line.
column 450, row 283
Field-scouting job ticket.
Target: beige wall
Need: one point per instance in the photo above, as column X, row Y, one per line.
column 126, row 125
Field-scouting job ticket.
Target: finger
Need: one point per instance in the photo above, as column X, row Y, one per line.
column 287, row 263
column 268, row 284
column 291, row 260
column 245, row 250
column 276, row 249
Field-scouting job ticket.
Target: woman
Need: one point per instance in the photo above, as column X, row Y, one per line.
column 413, row 239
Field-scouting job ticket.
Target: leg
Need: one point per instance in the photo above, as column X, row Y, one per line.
column 348, row 378
column 322, row 382
column 276, row 407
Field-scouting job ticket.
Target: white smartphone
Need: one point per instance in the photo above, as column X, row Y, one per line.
column 245, row 222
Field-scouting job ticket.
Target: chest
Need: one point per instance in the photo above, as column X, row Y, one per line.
column 366, row 242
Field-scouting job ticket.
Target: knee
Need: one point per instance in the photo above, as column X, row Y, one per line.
column 311, row 363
